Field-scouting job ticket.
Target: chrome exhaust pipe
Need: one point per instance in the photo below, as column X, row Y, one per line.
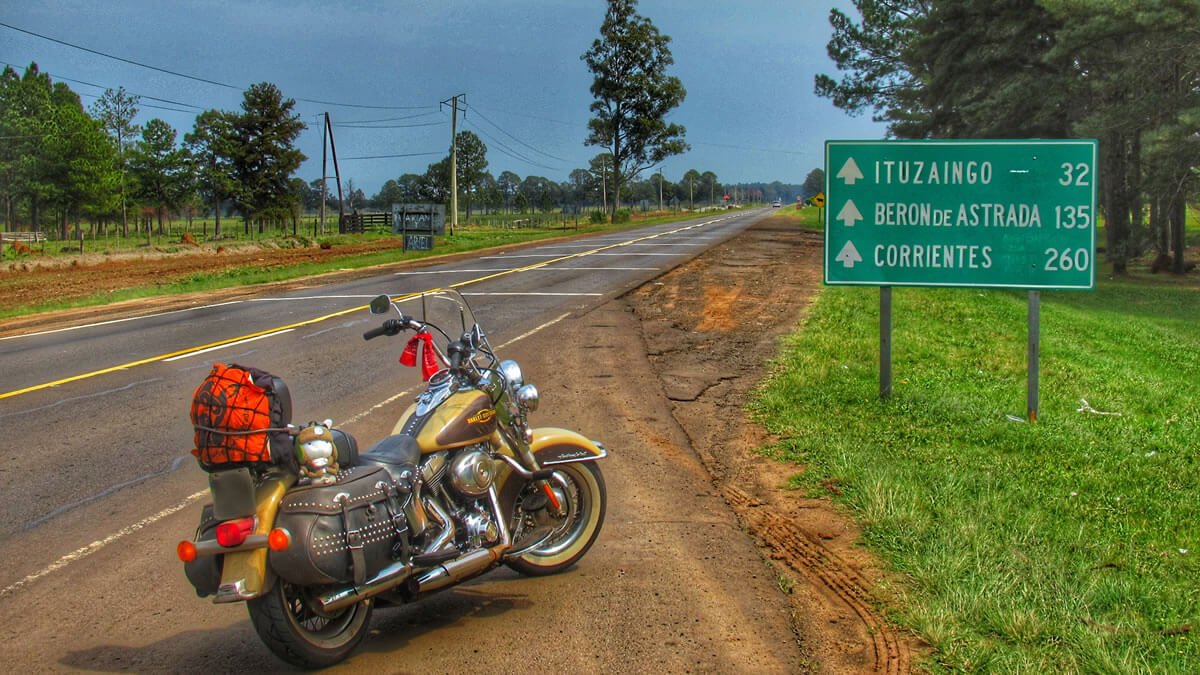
column 388, row 578
column 454, row 571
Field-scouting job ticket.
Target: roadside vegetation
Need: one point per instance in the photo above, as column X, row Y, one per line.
column 1068, row 545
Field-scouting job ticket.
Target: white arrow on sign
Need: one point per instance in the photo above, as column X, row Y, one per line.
column 850, row 172
column 849, row 255
column 849, row 214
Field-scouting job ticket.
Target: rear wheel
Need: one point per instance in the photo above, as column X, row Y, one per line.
column 290, row 622
column 579, row 489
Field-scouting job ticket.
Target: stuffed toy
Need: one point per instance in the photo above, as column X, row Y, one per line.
column 317, row 453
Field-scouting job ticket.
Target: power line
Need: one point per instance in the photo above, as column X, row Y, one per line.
column 411, row 154
column 510, row 152
column 540, row 152
column 193, row 77
column 100, row 86
column 117, row 58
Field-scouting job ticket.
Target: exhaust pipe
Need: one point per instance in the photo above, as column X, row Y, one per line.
column 454, row 571
column 388, row 578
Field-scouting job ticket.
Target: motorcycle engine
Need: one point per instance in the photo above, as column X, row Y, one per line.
column 471, row 472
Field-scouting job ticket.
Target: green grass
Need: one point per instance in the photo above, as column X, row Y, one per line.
column 1072, row 544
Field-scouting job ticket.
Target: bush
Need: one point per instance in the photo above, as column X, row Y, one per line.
column 621, row 216
column 599, row 218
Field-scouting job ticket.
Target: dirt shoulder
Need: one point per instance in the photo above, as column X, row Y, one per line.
column 711, row 326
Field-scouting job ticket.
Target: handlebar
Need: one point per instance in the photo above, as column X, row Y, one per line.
column 393, row 327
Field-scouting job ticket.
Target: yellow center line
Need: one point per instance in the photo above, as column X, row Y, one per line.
column 326, row 317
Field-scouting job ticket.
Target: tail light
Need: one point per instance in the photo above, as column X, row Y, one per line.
column 186, row 551
column 234, row 532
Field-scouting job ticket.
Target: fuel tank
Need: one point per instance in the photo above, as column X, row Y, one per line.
column 464, row 418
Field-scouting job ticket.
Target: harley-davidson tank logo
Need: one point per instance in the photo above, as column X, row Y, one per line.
column 482, row 417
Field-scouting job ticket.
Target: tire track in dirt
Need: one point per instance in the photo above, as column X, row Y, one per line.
column 711, row 326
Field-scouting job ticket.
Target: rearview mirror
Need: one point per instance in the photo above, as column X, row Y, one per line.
column 381, row 305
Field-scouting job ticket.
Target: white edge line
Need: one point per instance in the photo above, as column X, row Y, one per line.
column 112, row 321
column 85, row 551
column 230, row 344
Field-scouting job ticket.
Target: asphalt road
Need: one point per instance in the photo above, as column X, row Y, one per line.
column 98, row 483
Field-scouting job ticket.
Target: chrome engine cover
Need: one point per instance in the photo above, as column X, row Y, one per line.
column 471, row 472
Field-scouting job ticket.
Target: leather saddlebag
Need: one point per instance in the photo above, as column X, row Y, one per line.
column 344, row 532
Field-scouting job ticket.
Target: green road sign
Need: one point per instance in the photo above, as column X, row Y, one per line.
column 1018, row 214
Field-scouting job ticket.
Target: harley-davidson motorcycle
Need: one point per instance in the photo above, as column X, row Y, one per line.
column 313, row 539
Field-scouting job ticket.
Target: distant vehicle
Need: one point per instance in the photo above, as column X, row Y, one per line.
column 777, row 203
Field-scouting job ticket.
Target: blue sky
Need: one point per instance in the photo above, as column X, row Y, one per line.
column 747, row 65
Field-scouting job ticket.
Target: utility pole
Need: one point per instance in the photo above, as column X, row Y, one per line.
column 453, row 162
column 324, row 170
column 660, row 190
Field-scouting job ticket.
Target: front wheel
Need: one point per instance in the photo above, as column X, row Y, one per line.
column 292, row 625
column 579, row 488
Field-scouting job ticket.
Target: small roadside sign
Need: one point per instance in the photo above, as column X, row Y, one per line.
column 1009, row 214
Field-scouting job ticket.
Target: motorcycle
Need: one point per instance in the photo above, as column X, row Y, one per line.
column 316, row 537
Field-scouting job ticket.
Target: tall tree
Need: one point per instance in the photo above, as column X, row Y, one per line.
column 116, row 109
column 509, row 184
column 211, row 144
column 872, row 54
column 160, row 169
column 471, row 165
column 265, row 156
column 633, row 94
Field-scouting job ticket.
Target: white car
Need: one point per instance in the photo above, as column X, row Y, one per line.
column 776, row 204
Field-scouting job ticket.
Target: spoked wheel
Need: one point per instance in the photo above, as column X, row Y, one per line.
column 580, row 492
column 293, row 626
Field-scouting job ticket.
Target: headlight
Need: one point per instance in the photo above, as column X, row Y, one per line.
column 511, row 371
column 527, row 397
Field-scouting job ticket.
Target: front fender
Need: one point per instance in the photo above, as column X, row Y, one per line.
column 552, row 446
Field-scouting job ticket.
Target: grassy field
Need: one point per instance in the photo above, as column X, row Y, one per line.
column 1072, row 544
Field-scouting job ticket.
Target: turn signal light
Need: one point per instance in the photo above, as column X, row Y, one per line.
column 186, row 551
column 279, row 539
column 234, row 532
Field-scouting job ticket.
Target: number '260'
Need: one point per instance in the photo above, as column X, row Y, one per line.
column 1067, row 260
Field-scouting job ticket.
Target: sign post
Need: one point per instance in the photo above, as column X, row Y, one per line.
column 993, row 214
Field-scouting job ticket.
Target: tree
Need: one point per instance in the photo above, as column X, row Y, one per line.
column 264, row 156
column 471, row 165
column 633, row 94
column 872, row 54
column 708, row 181
column 116, row 109
column 814, row 183
column 211, row 144
column 509, row 184
column 160, row 169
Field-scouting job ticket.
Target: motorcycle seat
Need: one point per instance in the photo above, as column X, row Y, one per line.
column 393, row 451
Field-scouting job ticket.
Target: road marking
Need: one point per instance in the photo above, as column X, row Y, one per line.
column 59, row 402
column 309, row 322
column 112, row 321
column 549, row 295
column 228, row 344
column 85, row 551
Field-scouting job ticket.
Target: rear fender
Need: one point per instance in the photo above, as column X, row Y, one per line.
column 244, row 574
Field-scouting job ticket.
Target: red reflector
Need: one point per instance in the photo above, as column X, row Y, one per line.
column 234, row 532
column 279, row 539
column 186, row 551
